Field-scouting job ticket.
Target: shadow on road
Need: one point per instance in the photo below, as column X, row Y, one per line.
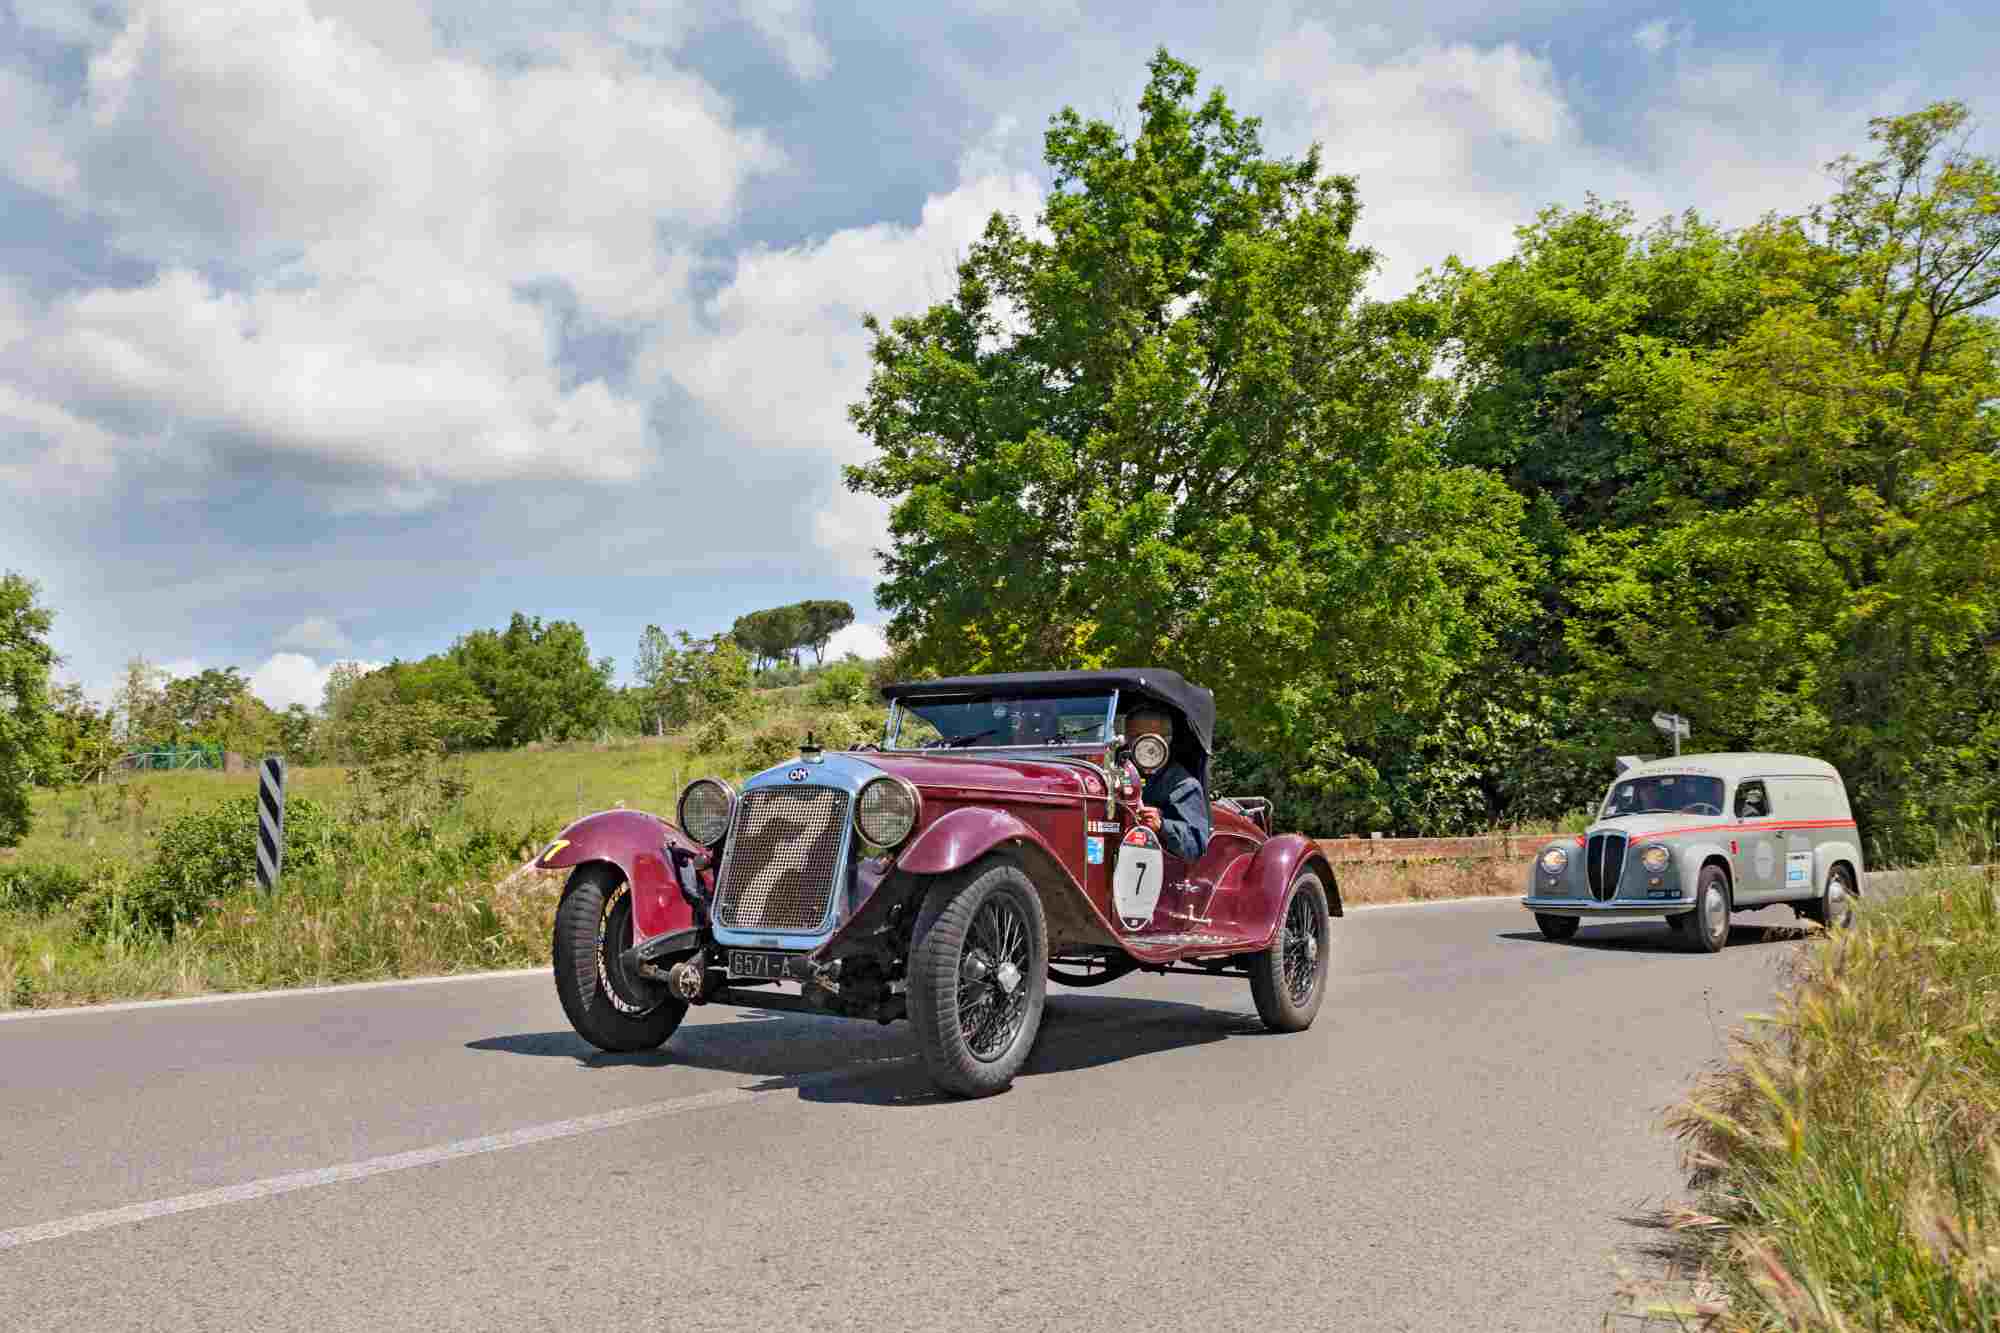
column 849, row 1062
column 1653, row 937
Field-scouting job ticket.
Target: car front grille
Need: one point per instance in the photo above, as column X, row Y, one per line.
column 783, row 856
column 1605, row 860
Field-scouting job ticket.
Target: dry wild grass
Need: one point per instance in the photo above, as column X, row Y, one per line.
column 1427, row 881
column 1846, row 1158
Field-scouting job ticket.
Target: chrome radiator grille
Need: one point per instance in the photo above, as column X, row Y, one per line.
column 784, row 852
column 1605, row 860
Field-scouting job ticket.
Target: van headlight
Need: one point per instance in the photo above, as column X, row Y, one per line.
column 886, row 811
column 1554, row 861
column 705, row 807
column 1655, row 859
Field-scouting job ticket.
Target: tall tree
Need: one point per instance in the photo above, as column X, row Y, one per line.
column 653, row 668
column 27, row 742
column 1167, row 428
column 820, row 621
column 1848, row 601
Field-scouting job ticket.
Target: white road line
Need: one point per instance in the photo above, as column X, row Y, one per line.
column 374, row 1166
column 228, row 997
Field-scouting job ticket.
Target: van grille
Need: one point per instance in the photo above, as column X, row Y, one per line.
column 1605, row 860
column 783, row 857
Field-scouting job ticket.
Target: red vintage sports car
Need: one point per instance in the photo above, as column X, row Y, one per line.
column 995, row 841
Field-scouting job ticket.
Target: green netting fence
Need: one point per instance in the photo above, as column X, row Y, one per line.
column 175, row 756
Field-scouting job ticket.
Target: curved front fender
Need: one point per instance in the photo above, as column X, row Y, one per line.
column 636, row 843
column 1268, row 877
column 962, row 837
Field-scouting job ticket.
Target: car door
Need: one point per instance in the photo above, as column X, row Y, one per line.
column 1760, row 859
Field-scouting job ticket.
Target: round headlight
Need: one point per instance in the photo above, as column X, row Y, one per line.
column 886, row 812
column 1149, row 752
column 1654, row 859
column 1553, row 861
column 705, row 807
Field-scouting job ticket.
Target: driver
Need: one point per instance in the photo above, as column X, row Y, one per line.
column 1174, row 806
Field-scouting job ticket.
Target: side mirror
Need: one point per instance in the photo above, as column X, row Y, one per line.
column 1149, row 754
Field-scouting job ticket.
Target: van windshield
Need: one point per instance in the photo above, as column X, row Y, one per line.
column 1001, row 720
column 1667, row 793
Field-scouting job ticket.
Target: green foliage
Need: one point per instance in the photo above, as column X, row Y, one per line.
column 842, row 685
column 539, row 679
column 40, row 886
column 772, row 744
column 775, row 636
column 28, row 742
column 1171, row 431
column 405, row 773
column 83, row 737
column 204, row 855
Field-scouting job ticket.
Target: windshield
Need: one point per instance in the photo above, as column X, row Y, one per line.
column 998, row 720
column 1669, row 793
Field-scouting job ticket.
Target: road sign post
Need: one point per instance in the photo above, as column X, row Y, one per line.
column 270, row 821
column 1674, row 725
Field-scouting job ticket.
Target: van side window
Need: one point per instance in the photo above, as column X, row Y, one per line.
column 1751, row 801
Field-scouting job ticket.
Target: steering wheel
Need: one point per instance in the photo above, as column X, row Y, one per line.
column 1704, row 808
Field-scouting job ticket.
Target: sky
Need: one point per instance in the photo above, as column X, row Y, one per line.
column 334, row 329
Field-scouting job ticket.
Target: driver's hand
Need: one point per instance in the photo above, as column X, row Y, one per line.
column 1150, row 817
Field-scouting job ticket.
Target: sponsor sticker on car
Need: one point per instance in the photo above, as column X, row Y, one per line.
column 1093, row 851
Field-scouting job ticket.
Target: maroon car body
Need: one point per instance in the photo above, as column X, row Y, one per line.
column 947, row 883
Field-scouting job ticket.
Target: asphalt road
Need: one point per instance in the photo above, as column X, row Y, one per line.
column 1455, row 1144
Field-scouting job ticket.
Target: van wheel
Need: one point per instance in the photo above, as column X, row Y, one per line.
column 1835, row 904
column 1557, row 927
column 1710, row 917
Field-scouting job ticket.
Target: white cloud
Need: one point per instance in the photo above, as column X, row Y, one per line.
column 862, row 640
column 786, row 25
column 783, row 352
column 319, row 636
column 293, row 678
column 1658, row 35
column 398, row 213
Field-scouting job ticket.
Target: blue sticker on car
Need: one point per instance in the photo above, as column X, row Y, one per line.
column 1093, row 851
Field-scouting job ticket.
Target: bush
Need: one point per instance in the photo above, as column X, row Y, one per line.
column 713, row 737
column 772, row 745
column 210, row 853
column 40, row 886
column 841, row 685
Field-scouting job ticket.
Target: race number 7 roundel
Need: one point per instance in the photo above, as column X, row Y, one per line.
column 1135, row 880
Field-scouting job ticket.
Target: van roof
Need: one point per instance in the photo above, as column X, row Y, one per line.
column 1736, row 764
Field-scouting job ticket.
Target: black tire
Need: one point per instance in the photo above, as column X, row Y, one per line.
column 1835, row 904
column 1557, row 928
column 1288, row 978
column 974, row 1027
column 610, row 1008
column 1710, row 918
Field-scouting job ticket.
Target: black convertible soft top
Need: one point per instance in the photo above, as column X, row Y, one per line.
column 1193, row 704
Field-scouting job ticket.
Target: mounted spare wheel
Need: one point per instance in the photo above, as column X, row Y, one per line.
column 978, row 976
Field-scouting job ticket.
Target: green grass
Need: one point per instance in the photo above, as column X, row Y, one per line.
column 1847, row 1156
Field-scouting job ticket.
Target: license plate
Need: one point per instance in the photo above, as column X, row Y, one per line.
column 743, row 963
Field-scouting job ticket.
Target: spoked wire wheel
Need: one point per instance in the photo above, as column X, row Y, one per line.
column 1305, row 927
column 1288, row 978
column 978, row 976
column 991, row 997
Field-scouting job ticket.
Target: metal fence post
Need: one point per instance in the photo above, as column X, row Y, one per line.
column 270, row 821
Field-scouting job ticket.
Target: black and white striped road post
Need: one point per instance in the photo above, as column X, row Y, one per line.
column 270, row 821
